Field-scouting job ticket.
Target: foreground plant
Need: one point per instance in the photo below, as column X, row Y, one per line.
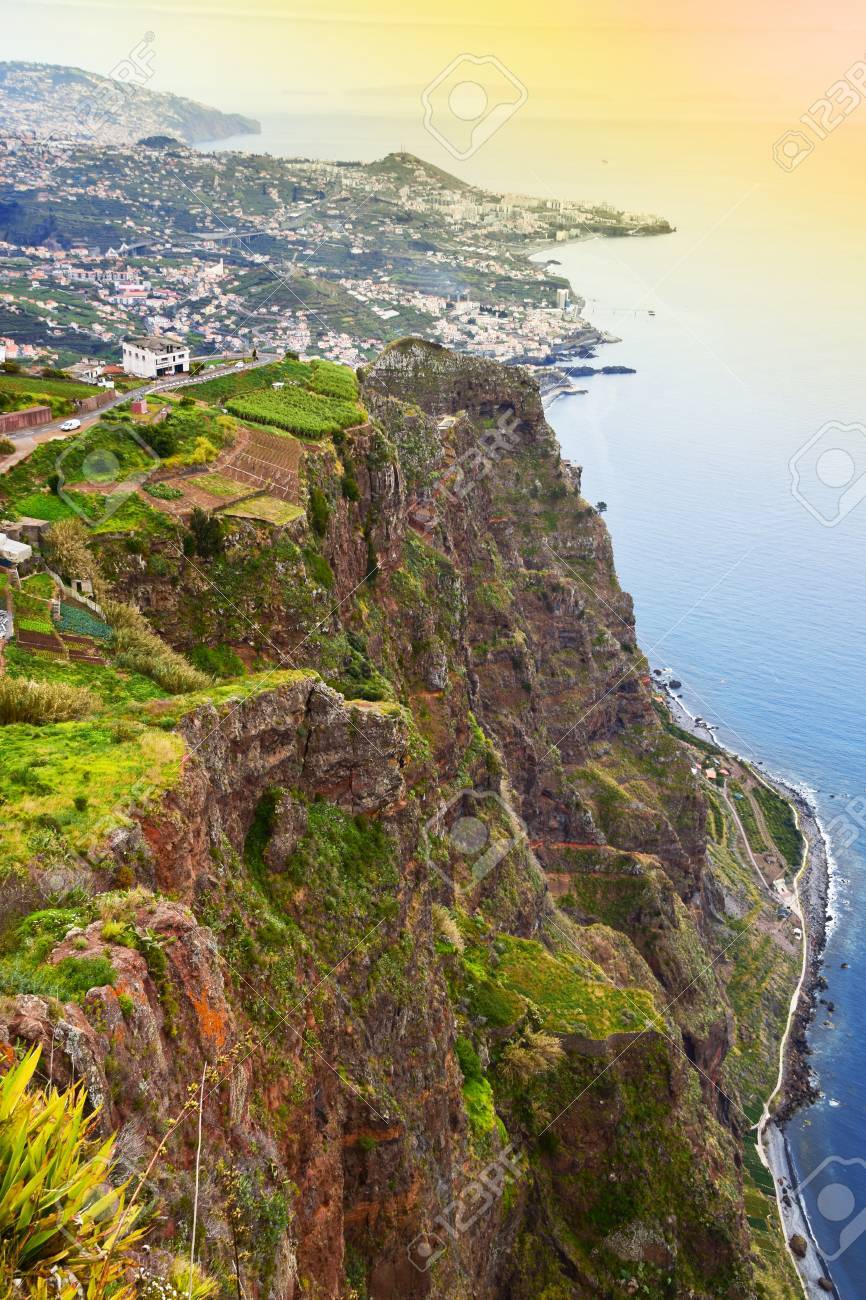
column 64, row 1230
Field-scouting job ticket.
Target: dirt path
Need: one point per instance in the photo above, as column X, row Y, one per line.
column 745, row 842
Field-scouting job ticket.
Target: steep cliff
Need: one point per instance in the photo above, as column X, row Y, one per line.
column 426, row 893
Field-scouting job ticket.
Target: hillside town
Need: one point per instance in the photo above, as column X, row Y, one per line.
column 229, row 251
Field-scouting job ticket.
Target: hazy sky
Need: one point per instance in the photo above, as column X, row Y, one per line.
column 623, row 59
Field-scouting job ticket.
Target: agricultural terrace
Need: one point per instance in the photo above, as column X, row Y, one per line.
column 317, row 398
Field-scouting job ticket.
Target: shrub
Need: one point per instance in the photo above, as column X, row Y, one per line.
column 349, row 485
column 446, row 927
column 318, row 511
column 533, row 1054
column 24, row 700
column 217, row 661
column 202, row 452
column 7, row 446
column 65, row 1233
column 163, row 491
column 66, row 549
column 140, row 650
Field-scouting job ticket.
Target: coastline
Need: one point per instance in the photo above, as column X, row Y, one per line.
column 796, row 1087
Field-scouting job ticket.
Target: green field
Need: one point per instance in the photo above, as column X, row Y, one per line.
column 333, row 380
column 746, row 814
column 781, row 823
column 245, row 381
column 39, row 584
column 56, row 387
column 298, row 410
column 218, row 485
column 17, row 392
column 80, row 622
column 270, row 509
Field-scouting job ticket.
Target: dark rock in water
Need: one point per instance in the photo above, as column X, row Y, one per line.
column 844, row 966
column 824, row 1284
column 831, row 1007
column 675, row 685
column 798, row 1245
column 581, row 372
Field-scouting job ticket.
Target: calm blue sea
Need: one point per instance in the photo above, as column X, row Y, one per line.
column 755, row 345
column 758, row 607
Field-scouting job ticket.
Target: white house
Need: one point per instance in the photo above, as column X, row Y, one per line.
column 13, row 552
column 87, row 372
column 152, row 356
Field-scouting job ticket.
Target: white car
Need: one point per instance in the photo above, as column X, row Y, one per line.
column 69, row 425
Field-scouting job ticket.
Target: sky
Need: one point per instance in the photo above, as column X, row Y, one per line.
column 662, row 59
column 656, row 105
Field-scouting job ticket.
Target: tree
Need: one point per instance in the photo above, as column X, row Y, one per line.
column 205, row 537
column 601, row 507
column 318, row 511
column 66, row 549
column 163, row 438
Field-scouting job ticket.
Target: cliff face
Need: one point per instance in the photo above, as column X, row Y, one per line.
column 432, row 903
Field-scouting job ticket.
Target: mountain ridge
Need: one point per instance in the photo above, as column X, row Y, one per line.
column 73, row 103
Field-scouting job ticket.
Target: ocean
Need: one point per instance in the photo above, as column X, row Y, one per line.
column 744, row 328
column 756, row 605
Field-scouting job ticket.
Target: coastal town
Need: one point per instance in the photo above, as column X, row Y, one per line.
column 232, row 251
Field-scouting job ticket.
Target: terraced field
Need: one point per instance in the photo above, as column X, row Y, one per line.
column 269, row 461
column 298, row 410
column 270, row 509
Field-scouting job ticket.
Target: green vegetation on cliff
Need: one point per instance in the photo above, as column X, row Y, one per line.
column 456, row 913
